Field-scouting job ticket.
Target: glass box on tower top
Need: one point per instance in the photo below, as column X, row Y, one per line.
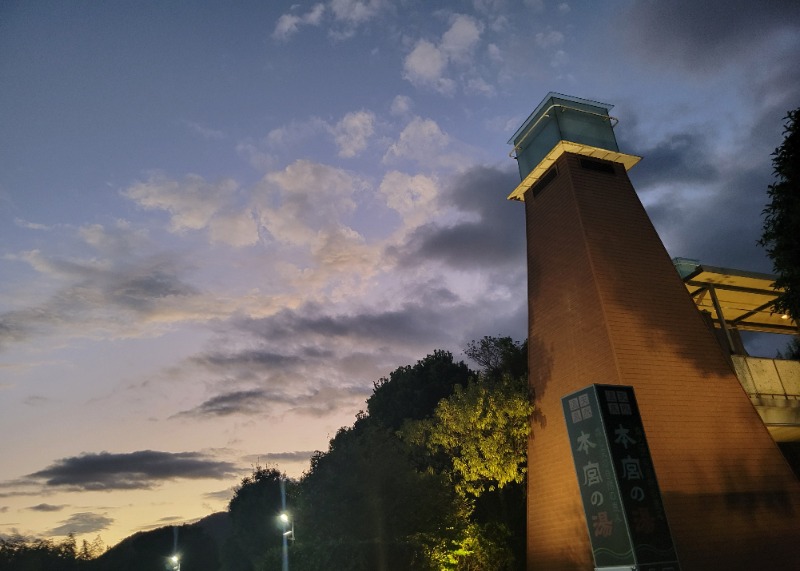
column 562, row 118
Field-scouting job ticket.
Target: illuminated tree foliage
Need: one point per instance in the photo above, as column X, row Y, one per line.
column 381, row 499
column 781, row 232
column 483, row 429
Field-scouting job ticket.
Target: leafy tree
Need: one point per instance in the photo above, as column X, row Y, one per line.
column 151, row 550
column 412, row 392
column 91, row 550
column 365, row 506
column 499, row 355
column 483, row 429
column 478, row 437
column 781, row 232
column 792, row 349
column 254, row 510
column 18, row 553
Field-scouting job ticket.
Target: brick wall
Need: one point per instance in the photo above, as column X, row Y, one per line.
column 607, row 306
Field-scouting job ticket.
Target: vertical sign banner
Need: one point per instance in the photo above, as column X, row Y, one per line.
column 625, row 516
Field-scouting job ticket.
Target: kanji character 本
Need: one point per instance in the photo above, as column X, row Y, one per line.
column 623, row 437
column 603, row 527
column 591, row 474
column 584, row 443
column 631, row 469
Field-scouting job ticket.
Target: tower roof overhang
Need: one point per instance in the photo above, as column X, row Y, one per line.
column 569, row 147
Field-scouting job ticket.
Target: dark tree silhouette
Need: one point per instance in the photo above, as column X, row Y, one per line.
column 781, row 235
column 254, row 511
column 412, row 392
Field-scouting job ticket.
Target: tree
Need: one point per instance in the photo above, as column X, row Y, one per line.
column 781, row 232
column 478, row 437
column 18, row 553
column 483, row 429
column 499, row 355
column 254, row 510
column 412, row 392
column 91, row 550
column 152, row 549
column 365, row 506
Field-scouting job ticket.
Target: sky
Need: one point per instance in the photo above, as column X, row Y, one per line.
column 222, row 222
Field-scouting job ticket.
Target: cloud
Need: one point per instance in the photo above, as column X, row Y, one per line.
column 412, row 196
column 305, row 202
column 460, row 40
column 401, row 105
column 289, row 24
column 114, row 294
column 549, row 39
column 427, row 63
column 705, row 200
column 409, row 321
column 30, row 225
column 425, row 66
column 204, row 132
column 191, row 203
column 482, row 238
column 195, row 204
column 293, row 456
column 706, row 36
column 304, row 359
column 684, row 157
column 144, row 469
column 46, row 508
column 80, row 523
column 421, row 140
column 252, row 402
column 220, row 495
column 356, row 12
column 263, row 154
column 352, row 133
column 316, row 401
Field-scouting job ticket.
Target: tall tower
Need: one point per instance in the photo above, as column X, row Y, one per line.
column 607, row 306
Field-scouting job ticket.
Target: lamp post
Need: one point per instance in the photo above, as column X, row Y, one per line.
column 288, row 532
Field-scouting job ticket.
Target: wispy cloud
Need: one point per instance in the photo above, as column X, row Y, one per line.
column 83, row 522
column 46, row 508
column 144, row 469
column 289, row 24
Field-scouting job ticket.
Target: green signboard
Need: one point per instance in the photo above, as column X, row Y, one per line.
column 625, row 516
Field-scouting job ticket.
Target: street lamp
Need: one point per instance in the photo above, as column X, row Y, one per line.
column 288, row 533
column 176, row 562
column 285, row 519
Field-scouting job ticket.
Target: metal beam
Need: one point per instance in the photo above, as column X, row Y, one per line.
column 721, row 318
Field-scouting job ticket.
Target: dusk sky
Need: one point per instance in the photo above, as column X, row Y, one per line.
column 221, row 222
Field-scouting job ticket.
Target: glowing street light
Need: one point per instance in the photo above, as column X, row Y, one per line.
column 287, row 532
column 176, row 562
column 285, row 519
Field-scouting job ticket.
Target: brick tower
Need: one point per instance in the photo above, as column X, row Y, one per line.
column 607, row 306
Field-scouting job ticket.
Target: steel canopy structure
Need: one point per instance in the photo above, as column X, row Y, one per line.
column 735, row 299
